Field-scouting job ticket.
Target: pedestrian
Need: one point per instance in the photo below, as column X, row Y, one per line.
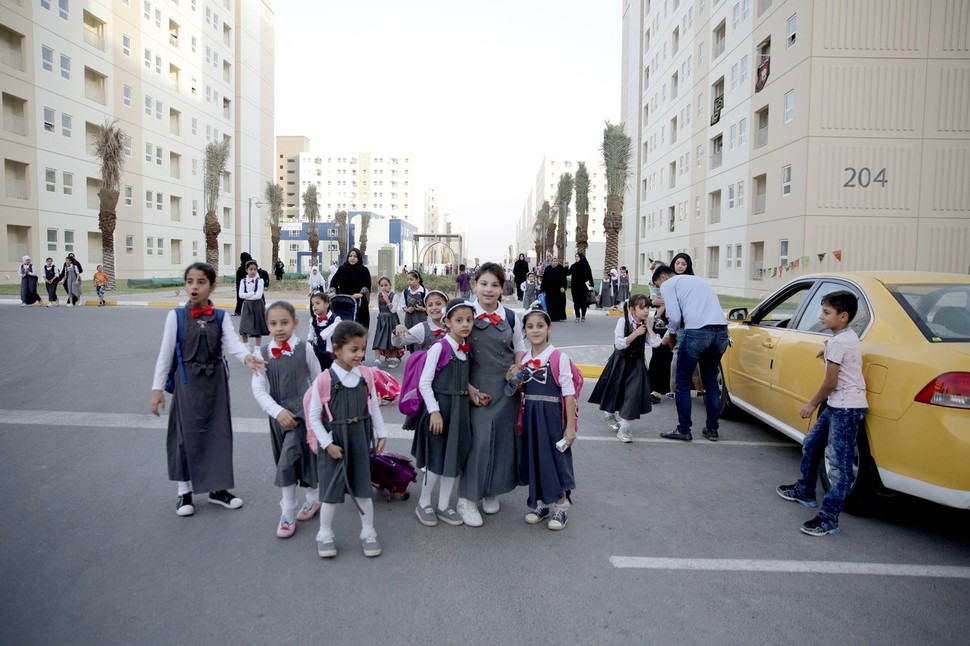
column 835, row 430
column 463, row 280
column 71, row 277
column 344, row 437
column 28, row 283
column 623, row 390
column 317, row 284
column 581, row 285
column 100, row 284
column 291, row 366
column 199, row 441
column 548, row 423
column 681, row 264
column 691, row 304
column 253, row 321
column 622, row 285
column 322, row 326
column 443, row 437
column 278, row 269
column 497, row 343
column 387, row 320
column 412, row 301
column 422, row 335
column 51, row 278
column 519, row 272
column 244, row 257
column 661, row 357
column 554, row 282
column 353, row 279
column 530, row 290
column 606, row 292
column 78, row 269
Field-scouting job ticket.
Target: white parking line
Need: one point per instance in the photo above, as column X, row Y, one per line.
column 810, row 567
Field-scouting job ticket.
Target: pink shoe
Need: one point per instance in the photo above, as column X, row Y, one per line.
column 308, row 510
column 287, row 526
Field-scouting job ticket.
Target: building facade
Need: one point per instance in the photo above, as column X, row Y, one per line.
column 174, row 77
column 772, row 138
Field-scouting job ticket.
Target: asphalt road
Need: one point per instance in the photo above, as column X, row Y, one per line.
column 666, row 543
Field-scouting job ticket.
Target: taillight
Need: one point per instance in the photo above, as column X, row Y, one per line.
column 949, row 389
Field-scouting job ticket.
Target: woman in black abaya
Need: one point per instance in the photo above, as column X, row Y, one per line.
column 353, row 278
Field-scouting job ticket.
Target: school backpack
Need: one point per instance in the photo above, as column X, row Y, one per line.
column 322, row 384
column 386, row 385
column 391, row 473
column 177, row 359
column 411, row 399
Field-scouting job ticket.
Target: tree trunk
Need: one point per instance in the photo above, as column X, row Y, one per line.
column 582, row 232
column 107, row 221
column 364, row 225
column 342, row 249
column 275, row 237
column 612, row 224
column 212, row 229
column 550, row 234
column 313, row 239
column 561, row 236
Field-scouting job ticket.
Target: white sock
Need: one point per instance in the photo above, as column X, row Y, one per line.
column 624, row 423
column 313, row 495
column 327, row 512
column 288, row 501
column 444, row 492
column 427, row 484
column 367, row 520
column 608, row 415
column 185, row 487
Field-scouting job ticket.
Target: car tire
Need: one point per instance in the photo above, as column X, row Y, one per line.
column 728, row 411
column 865, row 484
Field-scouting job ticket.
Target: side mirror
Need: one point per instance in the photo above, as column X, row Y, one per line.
column 738, row 314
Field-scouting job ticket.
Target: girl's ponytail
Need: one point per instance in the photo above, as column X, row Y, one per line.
column 626, row 318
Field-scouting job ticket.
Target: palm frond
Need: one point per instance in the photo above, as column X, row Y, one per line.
column 311, row 204
column 216, row 156
column 582, row 188
column 274, row 197
column 616, row 158
column 109, row 148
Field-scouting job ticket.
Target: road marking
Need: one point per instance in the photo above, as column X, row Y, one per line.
column 810, row 567
column 260, row 425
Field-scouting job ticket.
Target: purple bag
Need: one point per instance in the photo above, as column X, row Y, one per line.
column 410, row 400
column 391, row 473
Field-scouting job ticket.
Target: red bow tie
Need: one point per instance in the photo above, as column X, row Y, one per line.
column 493, row 317
column 322, row 319
column 534, row 363
column 201, row 311
column 277, row 352
column 464, row 347
column 438, row 333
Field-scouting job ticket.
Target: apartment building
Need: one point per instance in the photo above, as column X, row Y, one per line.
column 175, row 75
column 546, row 188
column 776, row 137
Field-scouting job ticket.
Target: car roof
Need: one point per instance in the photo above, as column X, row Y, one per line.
column 897, row 277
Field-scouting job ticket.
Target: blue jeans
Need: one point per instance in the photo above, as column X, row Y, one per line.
column 835, row 432
column 702, row 347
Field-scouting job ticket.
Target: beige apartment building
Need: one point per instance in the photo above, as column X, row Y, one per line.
column 176, row 76
column 773, row 138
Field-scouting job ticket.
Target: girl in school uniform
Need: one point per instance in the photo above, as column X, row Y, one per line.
column 548, row 421
column 199, row 441
column 622, row 285
column 71, row 277
column 412, row 300
column 606, row 292
column 623, row 390
column 253, row 321
column 291, row 366
column 443, row 437
column 322, row 325
column 317, row 284
column 28, row 283
column 51, row 278
column 423, row 335
column 530, row 290
column 344, row 436
column 492, row 467
column 387, row 320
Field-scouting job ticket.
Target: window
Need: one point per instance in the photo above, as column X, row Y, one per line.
column 50, row 180
column 736, row 17
column 783, row 252
column 744, row 70
column 740, row 196
column 14, row 114
column 158, row 155
column 789, row 105
column 149, row 149
column 737, row 256
column 714, row 211
column 68, row 183
column 129, row 195
column 149, row 245
column 158, row 109
column 717, row 147
column 158, row 207
column 95, row 85
column 62, row 8
column 729, row 260
column 734, row 137
column 762, row 134
column 718, row 40
column 127, row 144
column 148, row 10
column 730, row 199
column 47, row 54
column 734, row 76
column 68, row 241
column 158, row 18
column 149, row 102
column 126, row 45
column 149, row 199
column 158, row 64
column 129, row 244
column 195, row 44
column 786, row 180
column 745, row 9
column 148, row 58
column 742, row 132
column 195, row 249
column 49, row 119
column 792, row 29
column 52, row 240
column 195, row 207
column 195, row 125
column 226, row 218
column 760, row 193
column 46, row 4
column 713, row 261
column 65, row 67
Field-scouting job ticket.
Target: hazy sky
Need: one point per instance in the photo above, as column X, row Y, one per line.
column 478, row 90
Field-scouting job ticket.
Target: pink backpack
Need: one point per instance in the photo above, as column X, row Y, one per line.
column 577, row 385
column 387, row 387
column 322, row 384
column 411, row 400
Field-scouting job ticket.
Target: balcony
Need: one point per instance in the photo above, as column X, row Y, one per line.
column 716, row 160
column 761, row 139
column 756, row 268
column 759, row 203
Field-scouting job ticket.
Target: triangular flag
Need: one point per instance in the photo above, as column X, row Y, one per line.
column 804, row 260
column 838, row 254
column 774, row 272
column 821, row 257
column 795, row 263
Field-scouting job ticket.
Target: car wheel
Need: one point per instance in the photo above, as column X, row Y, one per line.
column 859, row 501
column 727, row 410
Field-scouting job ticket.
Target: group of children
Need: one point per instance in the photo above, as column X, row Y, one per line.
column 69, row 274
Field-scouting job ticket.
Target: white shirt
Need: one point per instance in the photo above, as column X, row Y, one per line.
column 565, row 372
column 843, row 350
column 350, row 380
column 251, row 289
column 415, row 334
column 392, row 300
column 327, row 332
column 428, row 372
column 260, row 384
column 691, row 303
column 518, row 343
column 231, row 346
column 619, row 336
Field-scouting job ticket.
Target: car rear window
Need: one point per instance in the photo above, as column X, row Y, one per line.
column 941, row 312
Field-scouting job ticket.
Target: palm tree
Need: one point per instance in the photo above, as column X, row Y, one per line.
column 616, row 161
column 340, row 217
column 109, row 148
column 550, row 226
column 563, row 196
column 364, row 223
column 216, row 156
column 311, row 208
column 274, row 197
column 538, row 234
column 582, row 208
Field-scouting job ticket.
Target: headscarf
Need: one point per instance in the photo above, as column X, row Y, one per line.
column 316, row 280
column 690, row 263
column 25, row 259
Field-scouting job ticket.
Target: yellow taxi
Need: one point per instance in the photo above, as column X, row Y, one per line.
column 915, row 333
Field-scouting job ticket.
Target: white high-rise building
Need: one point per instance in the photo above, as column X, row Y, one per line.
column 776, row 137
column 175, row 76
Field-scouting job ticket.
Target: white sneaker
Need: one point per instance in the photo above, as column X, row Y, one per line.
column 490, row 505
column 469, row 513
column 69, row 305
column 624, row 435
column 612, row 422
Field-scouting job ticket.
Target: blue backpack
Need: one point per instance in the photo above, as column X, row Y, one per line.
column 177, row 359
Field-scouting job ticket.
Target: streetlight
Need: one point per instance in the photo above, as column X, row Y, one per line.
column 258, row 206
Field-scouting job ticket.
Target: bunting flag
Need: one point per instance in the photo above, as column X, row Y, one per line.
column 838, row 254
column 795, row 264
column 774, row 272
column 805, row 260
column 821, row 257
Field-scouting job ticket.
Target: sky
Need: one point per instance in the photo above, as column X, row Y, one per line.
column 477, row 90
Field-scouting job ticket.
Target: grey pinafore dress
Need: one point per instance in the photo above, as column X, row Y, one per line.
column 445, row 454
column 413, row 318
column 492, row 466
column 624, row 385
column 386, row 322
column 352, row 432
column 289, row 379
column 548, row 472
column 253, row 320
column 199, row 439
